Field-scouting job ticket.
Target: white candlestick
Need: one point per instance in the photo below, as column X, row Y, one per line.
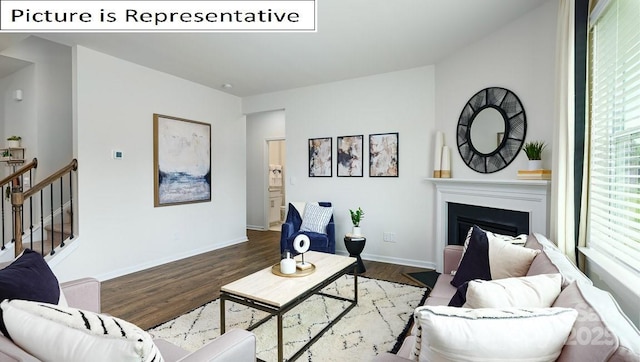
column 446, row 162
column 437, row 157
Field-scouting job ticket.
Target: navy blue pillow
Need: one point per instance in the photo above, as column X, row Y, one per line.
column 460, row 297
column 475, row 262
column 29, row 278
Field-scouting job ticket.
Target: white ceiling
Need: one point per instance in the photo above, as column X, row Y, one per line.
column 355, row 38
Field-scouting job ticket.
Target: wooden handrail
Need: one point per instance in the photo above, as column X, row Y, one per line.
column 23, row 169
column 72, row 166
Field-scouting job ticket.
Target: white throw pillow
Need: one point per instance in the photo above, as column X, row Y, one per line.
column 316, row 218
column 515, row 240
column 507, row 260
column 537, row 291
column 56, row 333
column 489, row 334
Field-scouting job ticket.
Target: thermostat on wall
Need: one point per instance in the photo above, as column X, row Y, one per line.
column 117, row 155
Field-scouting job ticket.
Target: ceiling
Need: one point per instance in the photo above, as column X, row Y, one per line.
column 354, row 38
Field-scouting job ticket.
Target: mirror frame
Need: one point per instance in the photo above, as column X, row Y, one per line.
column 515, row 129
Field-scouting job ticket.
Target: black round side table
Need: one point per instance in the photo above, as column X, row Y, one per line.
column 354, row 247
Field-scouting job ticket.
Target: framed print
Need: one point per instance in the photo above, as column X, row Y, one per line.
column 181, row 161
column 320, row 150
column 383, row 155
column 350, row 156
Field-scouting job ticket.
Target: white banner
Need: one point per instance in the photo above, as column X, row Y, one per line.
column 162, row 15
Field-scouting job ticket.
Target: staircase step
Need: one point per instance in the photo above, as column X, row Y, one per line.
column 57, row 228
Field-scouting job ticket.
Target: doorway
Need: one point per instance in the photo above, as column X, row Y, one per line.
column 276, row 150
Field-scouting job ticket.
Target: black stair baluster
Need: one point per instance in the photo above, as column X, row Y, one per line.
column 20, row 188
column 3, row 222
column 30, row 208
column 42, row 218
column 62, row 210
column 53, row 234
column 71, row 202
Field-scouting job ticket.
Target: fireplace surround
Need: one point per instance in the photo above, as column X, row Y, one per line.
column 524, row 200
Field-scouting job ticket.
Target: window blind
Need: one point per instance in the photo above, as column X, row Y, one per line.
column 614, row 168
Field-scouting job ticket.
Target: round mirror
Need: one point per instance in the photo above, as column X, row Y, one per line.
column 491, row 130
column 485, row 130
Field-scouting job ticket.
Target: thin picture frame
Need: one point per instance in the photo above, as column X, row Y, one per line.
column 349, row 156
column 181, row 161
column 320, row 157
column 384, row 155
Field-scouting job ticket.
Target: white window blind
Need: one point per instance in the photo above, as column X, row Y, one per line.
column 614, row 175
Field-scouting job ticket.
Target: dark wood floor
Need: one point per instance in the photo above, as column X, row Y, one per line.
column 158, row 294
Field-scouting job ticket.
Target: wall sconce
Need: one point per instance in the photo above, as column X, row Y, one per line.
column 18, row 95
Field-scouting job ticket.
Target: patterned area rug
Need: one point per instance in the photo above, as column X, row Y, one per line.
column 370, row 328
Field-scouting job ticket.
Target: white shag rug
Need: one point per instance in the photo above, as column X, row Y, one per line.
column 370, row 328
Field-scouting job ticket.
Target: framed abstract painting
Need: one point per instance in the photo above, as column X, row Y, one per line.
column 181, row 161
column 383, row 155
column 350, row 156
column 320, row 150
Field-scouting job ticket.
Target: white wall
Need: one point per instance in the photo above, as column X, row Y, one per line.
column 400, row 102
column 51, row 140
column 416, row 103
column 19, row 117
column 261, row 127
column 519, row 57
column 120, row 230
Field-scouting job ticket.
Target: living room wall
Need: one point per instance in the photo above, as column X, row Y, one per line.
column 519, row 56
column 400, row 102
column 120, row 231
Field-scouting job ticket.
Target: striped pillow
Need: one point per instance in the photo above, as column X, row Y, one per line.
column 55, row 333
column 316, row 218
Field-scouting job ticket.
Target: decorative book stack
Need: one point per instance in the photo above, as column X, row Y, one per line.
column 534, row 174
column 351, row 237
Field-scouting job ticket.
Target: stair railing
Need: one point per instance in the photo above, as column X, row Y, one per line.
column 18, row 198
column 11, row 183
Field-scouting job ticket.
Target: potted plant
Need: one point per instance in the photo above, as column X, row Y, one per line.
column 533, row 150
column 356, row 217
column 6, row 155
column 13, row 142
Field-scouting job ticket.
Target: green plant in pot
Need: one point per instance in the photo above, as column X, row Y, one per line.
column 356, row 217
column 533, row 150
column 13, row 141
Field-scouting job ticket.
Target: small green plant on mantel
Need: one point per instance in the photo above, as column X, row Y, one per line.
column 534, row 149
column 356, row 216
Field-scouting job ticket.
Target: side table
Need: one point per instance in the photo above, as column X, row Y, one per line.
column 354, row 246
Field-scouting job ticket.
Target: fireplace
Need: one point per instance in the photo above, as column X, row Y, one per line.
column 523, row 206
column 461, row 217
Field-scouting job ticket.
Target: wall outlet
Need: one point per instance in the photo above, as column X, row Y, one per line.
column 389, row 237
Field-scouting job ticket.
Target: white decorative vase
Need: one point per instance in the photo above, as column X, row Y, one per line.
column 356, row 231
column 535, row 165
column 13, row 144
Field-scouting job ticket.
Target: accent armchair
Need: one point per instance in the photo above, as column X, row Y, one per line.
column 235, row 345
column 323, row 241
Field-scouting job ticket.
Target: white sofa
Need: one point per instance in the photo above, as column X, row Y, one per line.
column 598, row 312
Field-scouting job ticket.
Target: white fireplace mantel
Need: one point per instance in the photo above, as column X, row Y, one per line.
column 530, row 196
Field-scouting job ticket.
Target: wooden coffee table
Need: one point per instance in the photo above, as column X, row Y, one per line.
column 276, row 295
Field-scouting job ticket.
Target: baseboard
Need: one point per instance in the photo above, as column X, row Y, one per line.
column 391, row 260
column 255, row 227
